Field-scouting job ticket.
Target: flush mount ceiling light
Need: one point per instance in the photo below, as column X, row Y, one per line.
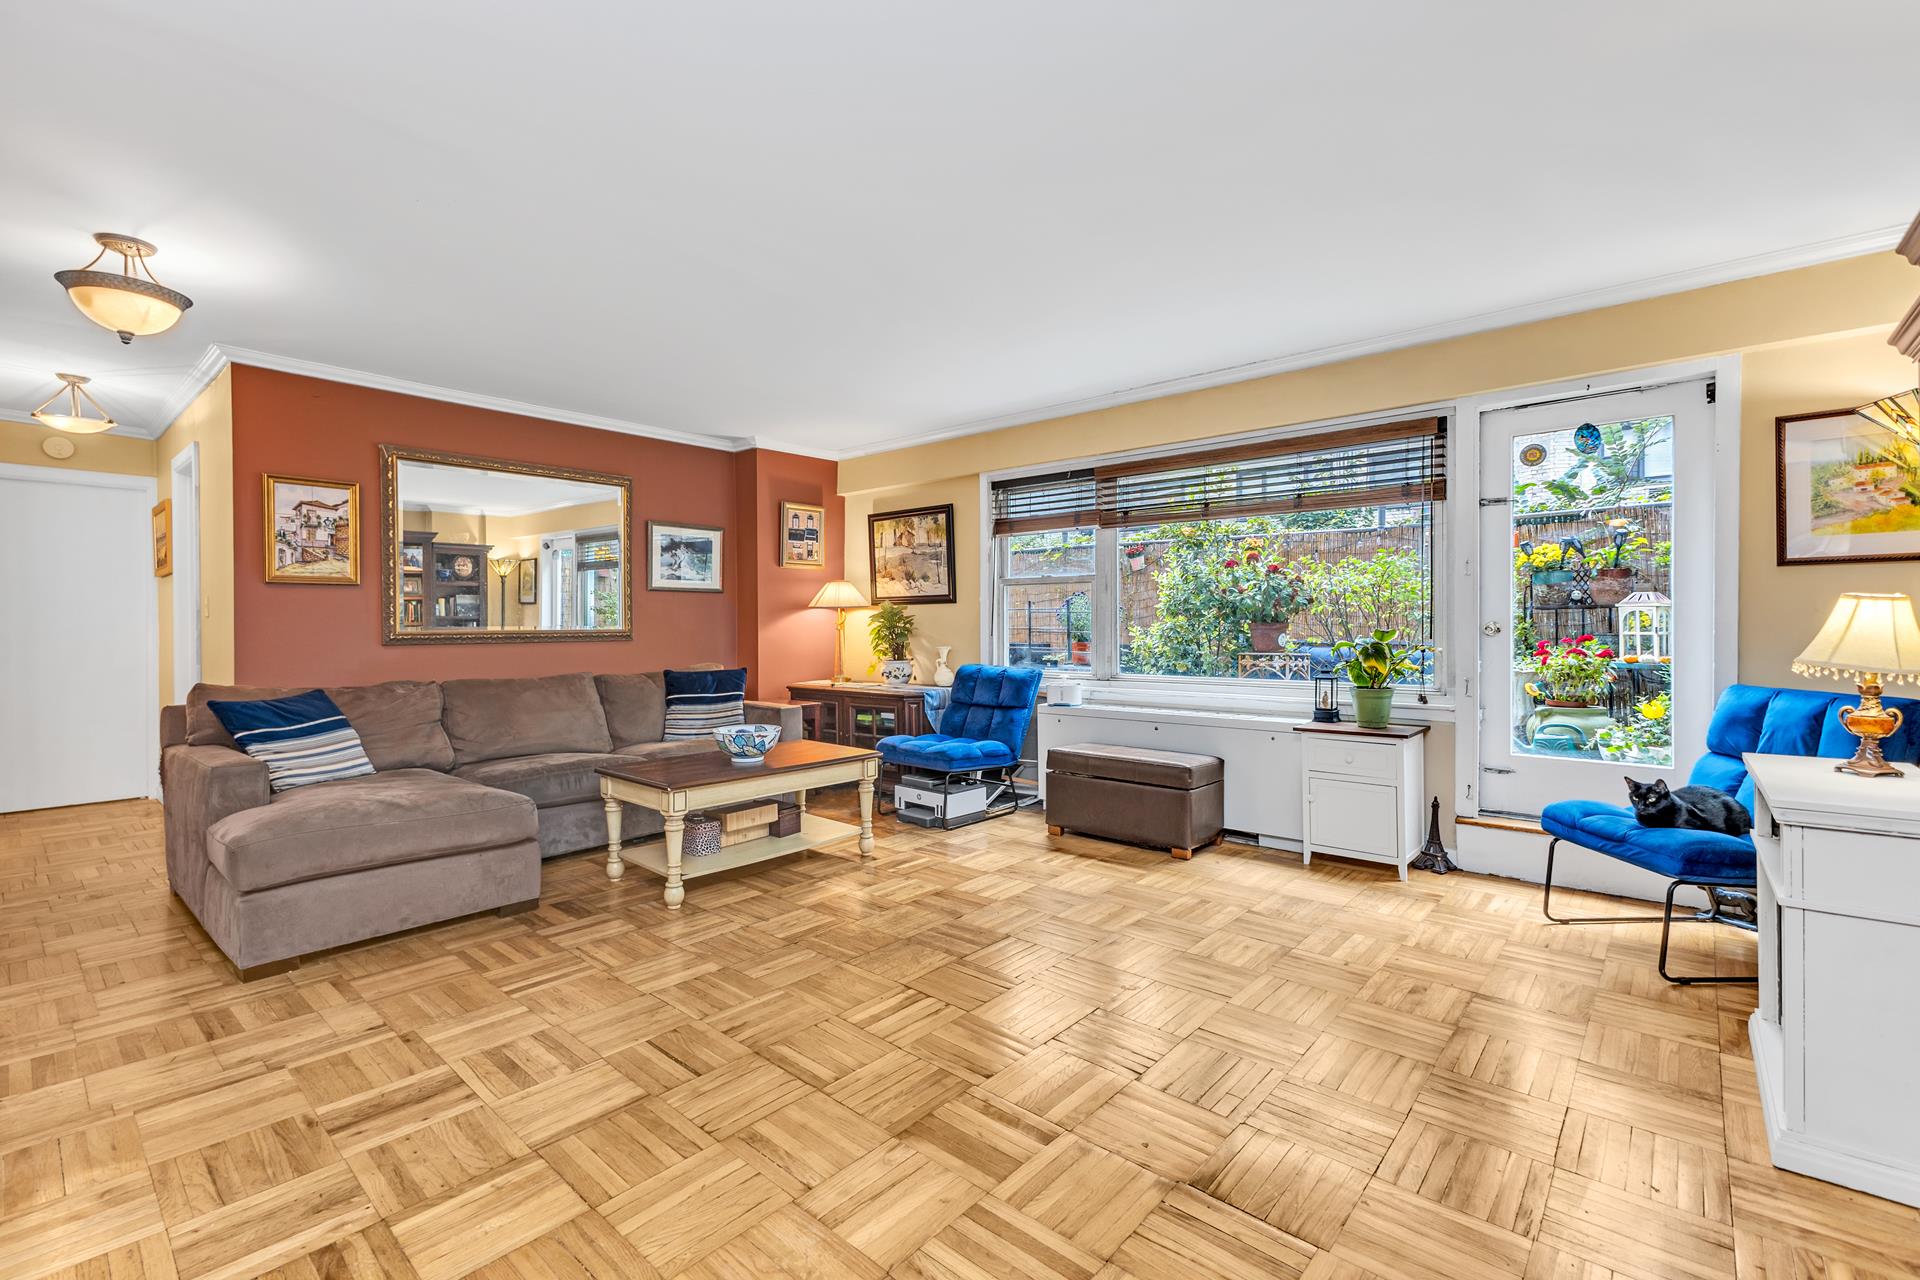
column 1899, row 414
column 74, row 419
column 130, row 301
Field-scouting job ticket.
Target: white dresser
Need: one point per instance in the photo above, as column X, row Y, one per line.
column 1836, row 1037
column 1361, row 791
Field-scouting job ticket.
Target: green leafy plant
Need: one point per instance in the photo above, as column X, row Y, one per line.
column 1576, row 669
column 890, row 632
column 1376, row 662
column 1262, row 590
column 1363, row 594
column 1619, row 542
column 1077, row 613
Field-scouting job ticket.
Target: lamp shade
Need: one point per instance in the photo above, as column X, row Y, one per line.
column 1866, row 635
column 838, row 594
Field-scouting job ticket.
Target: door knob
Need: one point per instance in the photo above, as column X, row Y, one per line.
column 1489, row 628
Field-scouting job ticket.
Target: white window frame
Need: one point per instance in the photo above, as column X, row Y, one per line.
column 1001, row 580
column 1228, row 692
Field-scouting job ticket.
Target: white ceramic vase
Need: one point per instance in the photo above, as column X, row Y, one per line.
column 942, row 673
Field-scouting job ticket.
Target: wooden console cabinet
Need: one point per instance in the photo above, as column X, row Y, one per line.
column 859, row 715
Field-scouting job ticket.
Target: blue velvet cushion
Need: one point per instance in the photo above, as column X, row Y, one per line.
column 1748, row 718
column 983, row 726
column 303, row 739
column 698, row 702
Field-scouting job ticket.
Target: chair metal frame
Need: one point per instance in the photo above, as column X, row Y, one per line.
column 1733, row 886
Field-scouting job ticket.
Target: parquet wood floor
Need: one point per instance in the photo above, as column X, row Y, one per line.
column 989, row 1053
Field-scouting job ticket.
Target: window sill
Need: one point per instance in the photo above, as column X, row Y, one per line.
column 1199, row 694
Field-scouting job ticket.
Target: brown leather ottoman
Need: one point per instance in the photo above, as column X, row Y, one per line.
column 1168, row 799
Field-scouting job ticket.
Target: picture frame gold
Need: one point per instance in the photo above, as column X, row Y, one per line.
column 302, row 542
column 803, row 536
column 163, row 538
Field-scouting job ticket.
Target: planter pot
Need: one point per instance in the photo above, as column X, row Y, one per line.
column 1082, row 652
column 897, row 671
column 1552, row 587
column 1269, row 637
column 1372, row 708
column 1610, row 586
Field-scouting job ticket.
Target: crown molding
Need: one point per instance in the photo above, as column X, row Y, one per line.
column 1807, row 255
column 218, row 356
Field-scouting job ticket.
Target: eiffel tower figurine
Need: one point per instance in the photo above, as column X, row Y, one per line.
column 1433, row 855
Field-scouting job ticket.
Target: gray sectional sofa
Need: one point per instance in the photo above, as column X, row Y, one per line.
column 475, row 782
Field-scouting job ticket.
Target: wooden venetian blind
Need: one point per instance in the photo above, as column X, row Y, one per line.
column 1376, row 465
column 1030, row 504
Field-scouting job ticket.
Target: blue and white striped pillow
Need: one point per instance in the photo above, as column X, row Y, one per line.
column 698, row 702
column 302, row 739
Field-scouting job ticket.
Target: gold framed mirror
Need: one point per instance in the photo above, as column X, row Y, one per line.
column 478, row 550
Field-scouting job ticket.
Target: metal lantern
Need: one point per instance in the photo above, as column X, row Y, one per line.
column 1326, row 694
column 1645, row 626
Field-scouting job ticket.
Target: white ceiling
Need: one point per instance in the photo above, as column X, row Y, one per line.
column 835, row 226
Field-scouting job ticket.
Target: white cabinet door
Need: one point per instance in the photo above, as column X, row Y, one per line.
column 1353, row 817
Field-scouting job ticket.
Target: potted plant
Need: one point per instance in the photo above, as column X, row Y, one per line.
column 1372, row 666
column 1077, row 612
column 890, row 632
column 1613, row 579
column 1547, row 568
column 1266, row 594
column 1136, row 554
column 1574, row 672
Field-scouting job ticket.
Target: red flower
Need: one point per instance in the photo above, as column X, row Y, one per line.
column 1232, row 564
column 1604, row 653
column 1577, row 653
column 1584, row 640
column 1273, row 568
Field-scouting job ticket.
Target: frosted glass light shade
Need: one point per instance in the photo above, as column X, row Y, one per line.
column 1866, row 635
column 1899, row 414
column 838, row 594
column 129, row 301
column 74, row 420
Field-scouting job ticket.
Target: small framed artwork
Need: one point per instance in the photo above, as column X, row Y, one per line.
column 413, row 557
column 529, row 575
column 312, row 530
column 1845, row 491
column 910, row 555
column 163, row 539
column 803, row 536
column 683, row 557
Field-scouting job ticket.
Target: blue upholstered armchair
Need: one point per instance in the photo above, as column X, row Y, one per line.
column 980, row 732
column 1786, row 722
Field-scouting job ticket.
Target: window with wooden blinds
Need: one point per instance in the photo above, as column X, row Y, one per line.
column 1033, row 504
column 1381, row 464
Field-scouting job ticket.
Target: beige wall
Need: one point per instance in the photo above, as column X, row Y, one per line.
column 957, row 624
column 1782, row 606
column 208, row 421
column 118, row 455
column 1810, row 339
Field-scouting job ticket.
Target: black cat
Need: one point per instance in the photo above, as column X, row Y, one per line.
column 1692, row 808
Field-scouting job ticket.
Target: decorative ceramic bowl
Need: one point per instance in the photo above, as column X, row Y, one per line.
column 747, row 743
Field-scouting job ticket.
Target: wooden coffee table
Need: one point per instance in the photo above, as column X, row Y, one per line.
column 675, row 786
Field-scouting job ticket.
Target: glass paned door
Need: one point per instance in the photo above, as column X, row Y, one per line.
column 1596, row 606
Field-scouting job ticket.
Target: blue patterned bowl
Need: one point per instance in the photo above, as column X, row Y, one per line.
column 747, row 743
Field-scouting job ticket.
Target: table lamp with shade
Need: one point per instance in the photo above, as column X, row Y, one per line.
column 1871, row 639
column 839, row 595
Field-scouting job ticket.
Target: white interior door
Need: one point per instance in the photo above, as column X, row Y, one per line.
column 1572, row 494
column 78, row 659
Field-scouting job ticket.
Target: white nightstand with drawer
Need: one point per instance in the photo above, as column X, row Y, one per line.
column 1362, row 791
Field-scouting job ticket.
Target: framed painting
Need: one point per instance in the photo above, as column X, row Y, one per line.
column 1845, row 490
column 529, row 583
column 910, row 555
column 803, row 536
column 683, row 557
column 312, row 532
column 163, row 539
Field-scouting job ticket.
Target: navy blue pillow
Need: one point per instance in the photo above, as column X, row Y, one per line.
column 303, row 739
column 699, row 702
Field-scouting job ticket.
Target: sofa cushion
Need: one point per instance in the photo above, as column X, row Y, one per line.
column 701, row 701
column 654, row 750
column 548, row 779
column 303, row 740
column 333, row 827
column 493, row 719
column 398, row 722
column 635, row 706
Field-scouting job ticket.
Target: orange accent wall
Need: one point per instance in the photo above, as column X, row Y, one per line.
column 780, row 640
column 301, row 634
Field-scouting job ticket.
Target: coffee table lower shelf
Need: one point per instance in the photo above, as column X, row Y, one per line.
column 814, row 832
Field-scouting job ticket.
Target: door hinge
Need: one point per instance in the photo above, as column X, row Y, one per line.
column 1496, row 502
column 1494, row 768
column 1713, row 391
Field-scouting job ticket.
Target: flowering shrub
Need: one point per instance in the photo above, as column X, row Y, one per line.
column 1262, row 590
column 1574, row 670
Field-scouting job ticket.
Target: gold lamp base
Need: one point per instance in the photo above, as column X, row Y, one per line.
column 1870, row 722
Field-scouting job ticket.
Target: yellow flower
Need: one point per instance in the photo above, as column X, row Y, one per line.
column 1653, row 708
